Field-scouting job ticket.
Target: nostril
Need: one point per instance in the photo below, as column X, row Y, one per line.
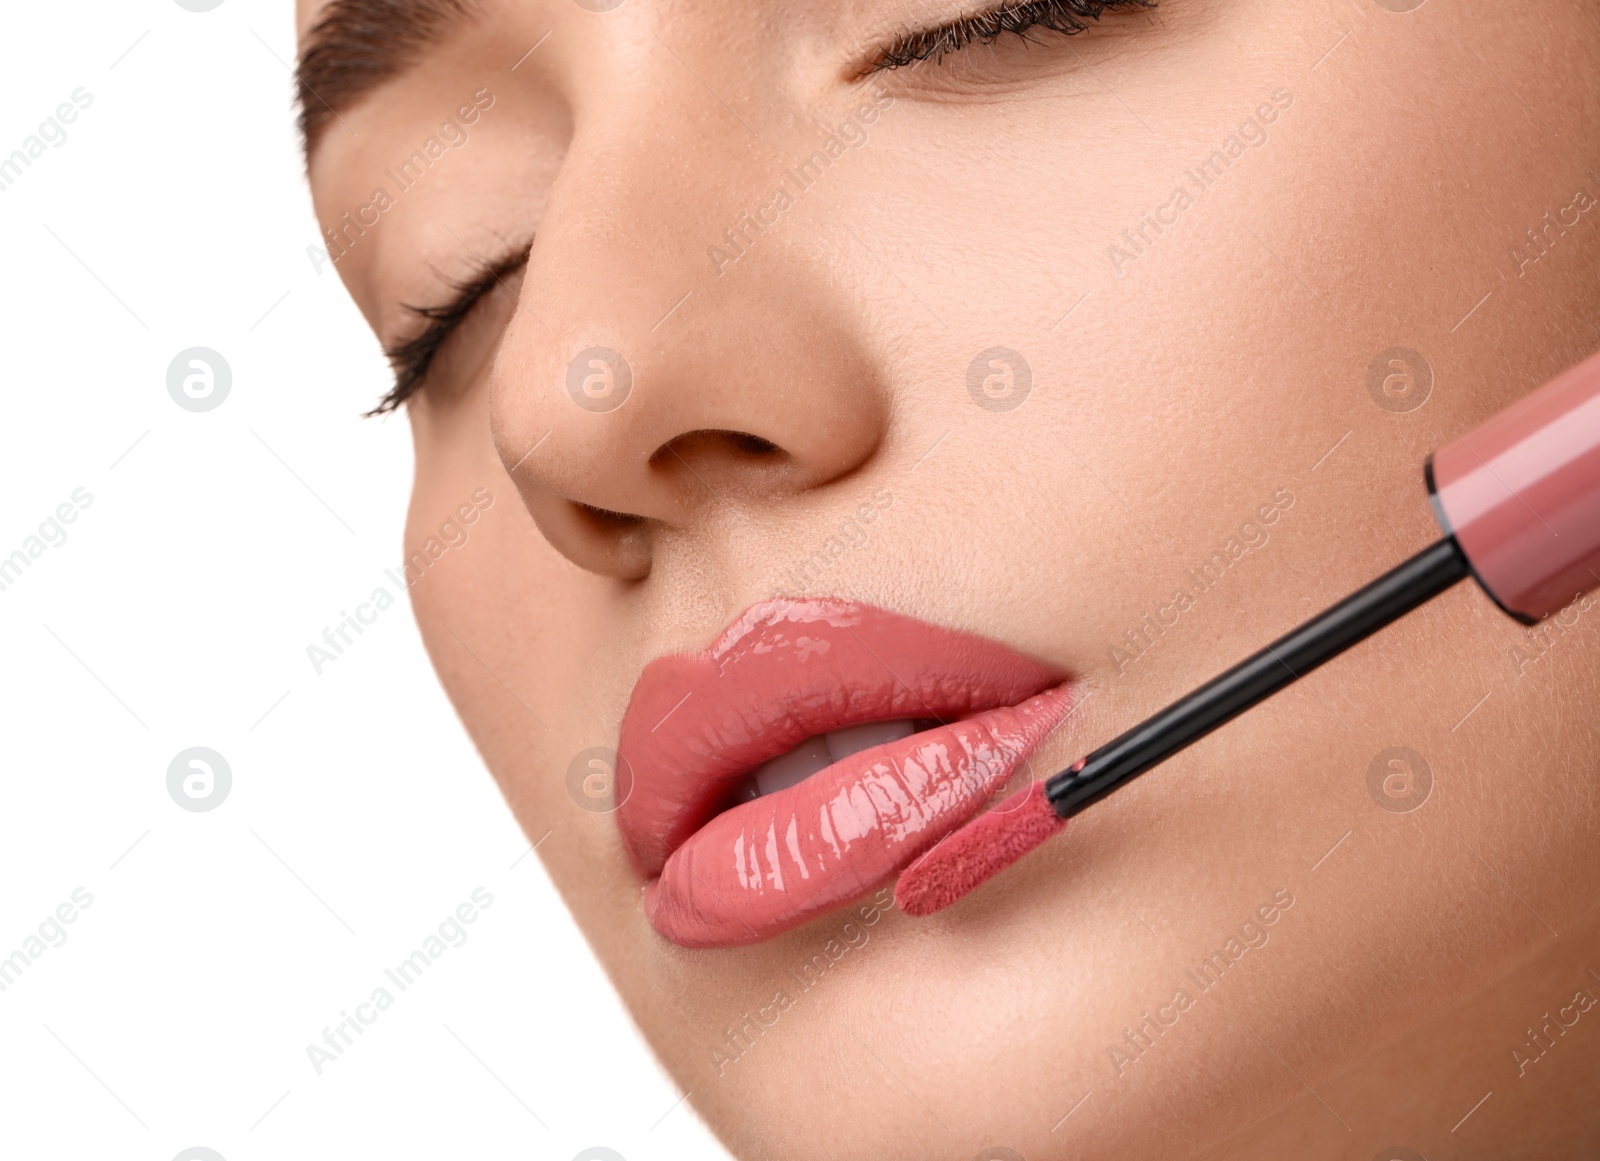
column 753, row 444
column 709, row 444
column 616, row 544
column 605, row 520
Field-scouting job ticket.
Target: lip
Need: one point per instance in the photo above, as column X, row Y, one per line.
column 786, row 670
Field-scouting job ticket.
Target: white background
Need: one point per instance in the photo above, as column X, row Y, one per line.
column 177, row 613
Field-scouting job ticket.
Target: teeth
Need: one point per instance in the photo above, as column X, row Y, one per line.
column 851, row 739
column 815, row 753
column 799, row 763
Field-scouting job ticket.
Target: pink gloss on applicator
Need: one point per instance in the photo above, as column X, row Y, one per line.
column 1518, row 500
column 978, row 852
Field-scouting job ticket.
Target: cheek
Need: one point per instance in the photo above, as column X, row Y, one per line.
column 507, row 622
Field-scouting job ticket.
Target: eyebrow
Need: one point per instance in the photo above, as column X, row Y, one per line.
column 357, row 45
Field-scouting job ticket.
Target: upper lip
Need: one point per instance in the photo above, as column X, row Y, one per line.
column 784, row 671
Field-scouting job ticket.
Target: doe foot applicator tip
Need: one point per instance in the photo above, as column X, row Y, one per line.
column 977, row 852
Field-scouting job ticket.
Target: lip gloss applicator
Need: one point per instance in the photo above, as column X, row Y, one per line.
column 1518, row 501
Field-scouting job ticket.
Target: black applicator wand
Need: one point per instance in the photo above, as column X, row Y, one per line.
column 1253, row 680
column 1518, row 499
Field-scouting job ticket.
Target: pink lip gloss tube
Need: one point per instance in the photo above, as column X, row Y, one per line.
column 1521, row 495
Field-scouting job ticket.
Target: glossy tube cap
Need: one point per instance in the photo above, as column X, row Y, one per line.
column 1521, row 495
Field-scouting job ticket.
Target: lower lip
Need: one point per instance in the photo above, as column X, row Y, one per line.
column 766, row 866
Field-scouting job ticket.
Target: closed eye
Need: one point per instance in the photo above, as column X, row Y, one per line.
column 1064, row 17
column 412, row 358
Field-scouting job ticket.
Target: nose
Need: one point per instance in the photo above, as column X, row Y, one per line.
column 675, row 362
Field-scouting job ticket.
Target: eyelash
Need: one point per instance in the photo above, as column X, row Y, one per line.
column 412, row 358
column 1066, row 17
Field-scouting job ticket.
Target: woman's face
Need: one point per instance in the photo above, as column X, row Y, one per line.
column 1113, row 356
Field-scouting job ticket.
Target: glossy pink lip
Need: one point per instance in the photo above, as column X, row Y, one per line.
column 785, row 671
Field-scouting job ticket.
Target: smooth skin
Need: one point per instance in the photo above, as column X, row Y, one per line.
column 1174, row 396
